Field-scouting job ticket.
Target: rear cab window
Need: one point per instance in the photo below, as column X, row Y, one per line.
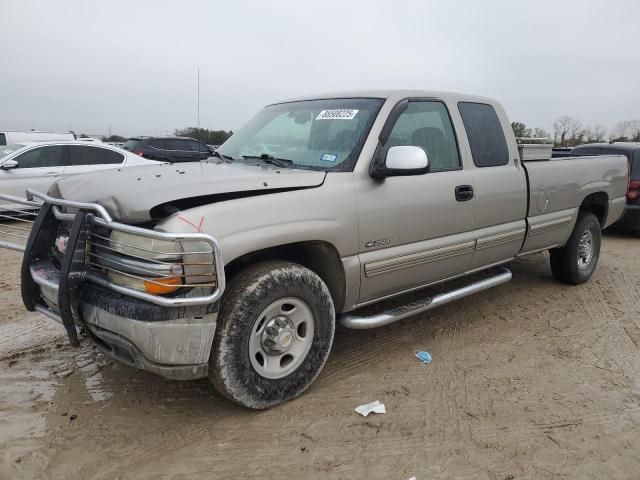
column 3, row 139
column 486, row 136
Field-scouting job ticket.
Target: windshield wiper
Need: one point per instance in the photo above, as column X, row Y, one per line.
column 266, row 158
column 215, row 153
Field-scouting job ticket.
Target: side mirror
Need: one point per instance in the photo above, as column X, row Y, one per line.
column 9, row 165
column 402, row 160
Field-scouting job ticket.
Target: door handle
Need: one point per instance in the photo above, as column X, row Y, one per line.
column 51, row 174
column 464, row 193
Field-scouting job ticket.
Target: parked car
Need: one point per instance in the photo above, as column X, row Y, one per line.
column 631, row 218
column 38, row 164
column 317, row 208
column 561, row 152
column 8, row 137
column 169, row 149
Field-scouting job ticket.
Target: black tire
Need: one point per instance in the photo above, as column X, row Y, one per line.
column 567, row 263
column 248, row 295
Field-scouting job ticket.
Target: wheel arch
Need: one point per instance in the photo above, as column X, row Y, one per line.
column 597, row 203
column 318, row 256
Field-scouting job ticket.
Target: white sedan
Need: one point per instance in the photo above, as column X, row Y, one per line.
column 39, row 164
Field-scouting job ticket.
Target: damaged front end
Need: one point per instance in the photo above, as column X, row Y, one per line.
column 147, row 298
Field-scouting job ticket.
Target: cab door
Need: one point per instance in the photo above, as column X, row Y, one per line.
column 37, row 168
column 500, row 184
column 416, row 230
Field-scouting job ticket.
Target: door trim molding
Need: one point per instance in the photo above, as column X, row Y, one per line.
column 550, row 225
column 502, row 238
column 419, row 257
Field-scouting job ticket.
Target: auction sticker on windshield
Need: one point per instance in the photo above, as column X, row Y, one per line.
column 337, row 114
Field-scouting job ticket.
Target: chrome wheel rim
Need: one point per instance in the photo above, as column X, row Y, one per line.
column 585, row 250
column 281, row 338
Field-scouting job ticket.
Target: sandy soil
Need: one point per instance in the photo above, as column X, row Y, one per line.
column 532, row 379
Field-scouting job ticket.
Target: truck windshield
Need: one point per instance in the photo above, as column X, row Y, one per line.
column 315, row 134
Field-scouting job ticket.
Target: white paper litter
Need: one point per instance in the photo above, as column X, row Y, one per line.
column 375, row 407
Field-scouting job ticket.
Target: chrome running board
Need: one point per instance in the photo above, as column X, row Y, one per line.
column 360, row 322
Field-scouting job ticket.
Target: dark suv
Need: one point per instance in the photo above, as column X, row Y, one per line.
column 169, row 149
column 631, row 150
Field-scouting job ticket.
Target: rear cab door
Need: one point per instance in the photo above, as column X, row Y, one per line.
column 500, row 183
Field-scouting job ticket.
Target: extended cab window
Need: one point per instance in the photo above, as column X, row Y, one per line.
column 52, row 156
column 486, row 137
column 427, row 124
column 3, row 139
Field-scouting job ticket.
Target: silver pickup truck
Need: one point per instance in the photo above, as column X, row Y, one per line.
column 238, row 267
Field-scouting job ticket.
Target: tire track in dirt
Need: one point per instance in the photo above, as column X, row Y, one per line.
column 629, row 296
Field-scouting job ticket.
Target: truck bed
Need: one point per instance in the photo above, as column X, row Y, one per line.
column 559, row 185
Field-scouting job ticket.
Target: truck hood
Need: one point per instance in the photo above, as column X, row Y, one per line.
column 139, row 194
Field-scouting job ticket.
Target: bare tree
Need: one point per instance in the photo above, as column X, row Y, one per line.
column 634, row 130
column 567, row 131
column 597, row 133
column 621, row 131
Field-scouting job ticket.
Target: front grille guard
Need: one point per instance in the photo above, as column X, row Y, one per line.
column 206, row 272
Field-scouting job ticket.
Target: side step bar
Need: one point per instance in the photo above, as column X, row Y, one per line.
column 351, row 320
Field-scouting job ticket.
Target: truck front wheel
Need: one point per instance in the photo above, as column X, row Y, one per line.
column 576, row 261
column 274, row 334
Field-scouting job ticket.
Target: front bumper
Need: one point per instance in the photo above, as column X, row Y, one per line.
column 170, row 335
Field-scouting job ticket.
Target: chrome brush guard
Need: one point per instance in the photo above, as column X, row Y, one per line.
column 53, row 268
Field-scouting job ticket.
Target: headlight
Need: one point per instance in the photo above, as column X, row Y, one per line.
column 146, row 264
column 145, row 247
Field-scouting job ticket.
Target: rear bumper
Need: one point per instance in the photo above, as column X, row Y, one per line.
column 630, row 219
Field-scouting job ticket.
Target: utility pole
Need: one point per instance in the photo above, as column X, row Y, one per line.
column 198, row 97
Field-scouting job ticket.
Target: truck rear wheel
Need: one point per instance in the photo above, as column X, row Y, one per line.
column 576, row 261
column 274, row 334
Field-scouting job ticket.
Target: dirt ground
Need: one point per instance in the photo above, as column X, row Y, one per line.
column 532, row 379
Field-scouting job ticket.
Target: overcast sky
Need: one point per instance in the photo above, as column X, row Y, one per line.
column 131, row 65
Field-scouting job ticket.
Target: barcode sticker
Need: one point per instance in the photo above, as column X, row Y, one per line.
column 338, row 114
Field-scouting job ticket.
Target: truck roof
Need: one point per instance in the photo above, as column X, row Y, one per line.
column 395, row 94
